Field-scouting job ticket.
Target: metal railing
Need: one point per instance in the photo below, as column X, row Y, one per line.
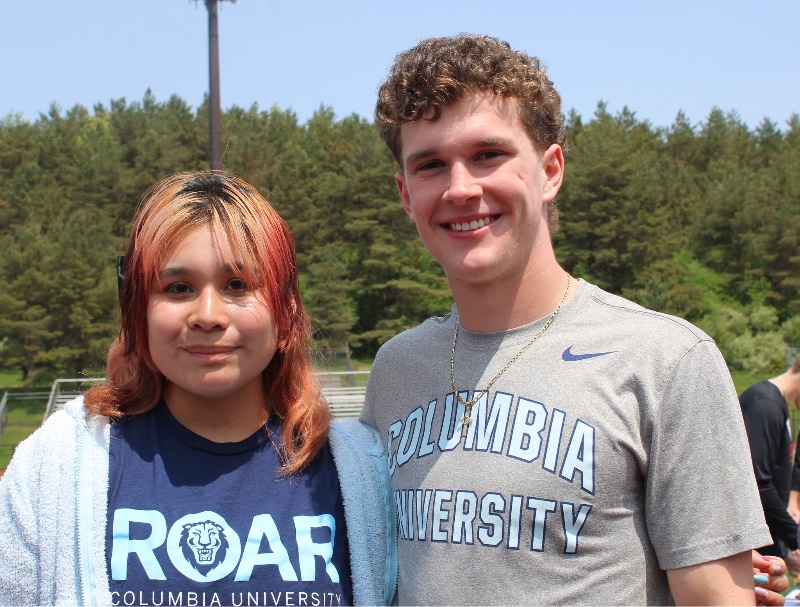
column 3, row 413
column 5, row 403
column 344, row 391
column 9, row 400
column 61, row 392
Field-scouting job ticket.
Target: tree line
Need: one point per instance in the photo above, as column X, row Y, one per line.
column 700, row 221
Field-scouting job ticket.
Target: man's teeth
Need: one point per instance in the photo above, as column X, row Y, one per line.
column 472, row 225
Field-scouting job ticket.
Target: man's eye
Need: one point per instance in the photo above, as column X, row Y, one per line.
column 489, row 155
column 430, row 165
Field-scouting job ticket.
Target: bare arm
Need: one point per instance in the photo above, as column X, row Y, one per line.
column 794, row 505
column 727, row 581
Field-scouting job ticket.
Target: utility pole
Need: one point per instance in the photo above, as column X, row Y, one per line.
column 214, row 111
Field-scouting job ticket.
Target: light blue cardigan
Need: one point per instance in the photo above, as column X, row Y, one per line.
column 53, row 508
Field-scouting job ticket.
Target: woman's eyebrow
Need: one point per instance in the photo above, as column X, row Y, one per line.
column 169, row 271
column 173, row 271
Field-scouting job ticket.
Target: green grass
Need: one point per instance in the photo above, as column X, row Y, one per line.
column 23, row 418
column 10, row 379
column 743, row 380
column 338, row 362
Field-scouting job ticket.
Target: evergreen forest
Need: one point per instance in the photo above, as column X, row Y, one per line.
column 697, row 220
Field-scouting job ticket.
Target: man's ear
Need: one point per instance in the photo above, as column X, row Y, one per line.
column 553, row 165
column 400, row 179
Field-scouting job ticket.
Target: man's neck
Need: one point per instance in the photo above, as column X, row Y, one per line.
column 789, row 383
column 500, row 306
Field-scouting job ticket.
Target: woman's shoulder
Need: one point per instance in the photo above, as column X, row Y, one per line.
column 45, row 449
column 64, row 421
column 59, row 431
column 356, row 435
column 73, row 416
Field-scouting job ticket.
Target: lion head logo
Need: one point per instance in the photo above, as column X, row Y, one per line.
column 204, row 545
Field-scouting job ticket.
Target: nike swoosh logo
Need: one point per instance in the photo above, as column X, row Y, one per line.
column 569, row 356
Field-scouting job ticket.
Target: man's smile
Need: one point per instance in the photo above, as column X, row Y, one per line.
column 474, row 224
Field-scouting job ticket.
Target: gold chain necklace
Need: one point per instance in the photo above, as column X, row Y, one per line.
column 467, row 420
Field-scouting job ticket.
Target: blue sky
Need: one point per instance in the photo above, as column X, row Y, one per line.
column 655, row 57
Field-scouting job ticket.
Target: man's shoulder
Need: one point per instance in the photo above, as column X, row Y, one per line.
column 408, row 353
column 626, row 315
column 760, row 395
column 430, row 331
column 758, row 388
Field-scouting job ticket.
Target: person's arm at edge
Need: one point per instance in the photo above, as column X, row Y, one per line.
column 726, row 581
column 769, row 594
column 766, row 428
column 794, row 505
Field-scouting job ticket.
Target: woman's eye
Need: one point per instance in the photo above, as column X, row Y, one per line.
column 237, row 284
column 178, row 288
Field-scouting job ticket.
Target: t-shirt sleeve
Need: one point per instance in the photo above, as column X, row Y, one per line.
column 384, row 369
column 702, row 498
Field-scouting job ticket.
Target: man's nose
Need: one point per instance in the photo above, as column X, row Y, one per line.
column 463, row 186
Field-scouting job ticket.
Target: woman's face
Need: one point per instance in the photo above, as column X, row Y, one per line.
column 209, row 332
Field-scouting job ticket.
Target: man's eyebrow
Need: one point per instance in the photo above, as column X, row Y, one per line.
column 480, row 143
column 493, row 141
column 417, row 156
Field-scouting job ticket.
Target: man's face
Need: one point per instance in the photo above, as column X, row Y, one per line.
column 477, row 189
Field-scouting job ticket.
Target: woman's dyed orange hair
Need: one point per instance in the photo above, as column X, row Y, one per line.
column 239, row 215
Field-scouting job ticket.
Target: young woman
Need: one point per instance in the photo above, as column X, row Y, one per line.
column 205, row 471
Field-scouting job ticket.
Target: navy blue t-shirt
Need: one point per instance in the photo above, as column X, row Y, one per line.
column 194, row 522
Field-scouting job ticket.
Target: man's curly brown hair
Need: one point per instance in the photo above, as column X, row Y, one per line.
column 441, row 71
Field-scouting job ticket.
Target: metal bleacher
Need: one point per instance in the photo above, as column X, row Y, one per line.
column 344, row 391
column 345, row 401
column 3, row 413
column 341, row 389
column 64, row 390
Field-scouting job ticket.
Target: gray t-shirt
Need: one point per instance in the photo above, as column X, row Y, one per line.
column 612, row 450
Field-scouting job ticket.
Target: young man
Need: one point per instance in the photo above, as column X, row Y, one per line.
column 548, row 442
column 765, row 409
